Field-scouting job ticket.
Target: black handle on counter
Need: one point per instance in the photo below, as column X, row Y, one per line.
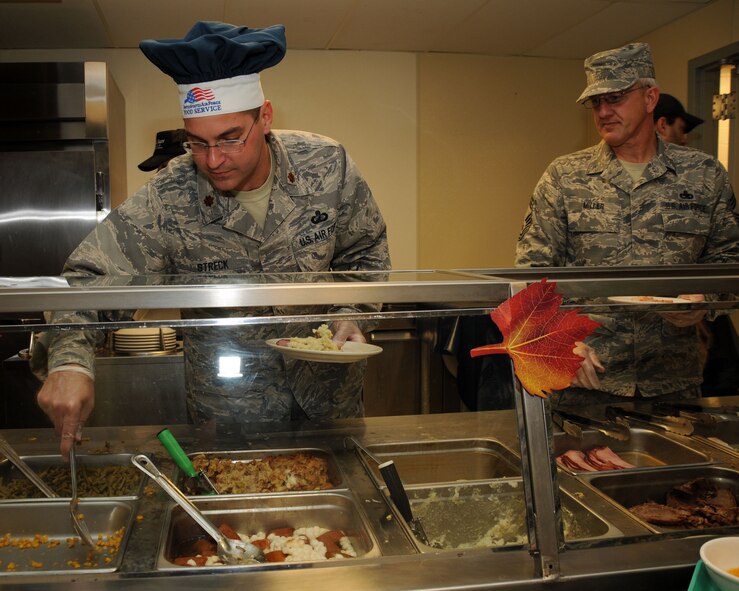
column 395, row 488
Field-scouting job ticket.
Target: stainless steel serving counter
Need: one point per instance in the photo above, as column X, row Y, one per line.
column 638, row 560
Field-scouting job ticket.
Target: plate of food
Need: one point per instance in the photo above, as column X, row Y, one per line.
column 649, row 300
column 322, row 348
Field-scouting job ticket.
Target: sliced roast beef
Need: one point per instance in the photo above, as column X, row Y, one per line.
column 701, row 503
column 658, row 514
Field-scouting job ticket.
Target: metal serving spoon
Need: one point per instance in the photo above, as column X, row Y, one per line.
column 229, row 551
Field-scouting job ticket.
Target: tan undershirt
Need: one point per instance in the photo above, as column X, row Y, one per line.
column 256, row 201
column 635, row 169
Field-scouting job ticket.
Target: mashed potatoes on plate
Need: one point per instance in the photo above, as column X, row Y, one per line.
column 322, row 341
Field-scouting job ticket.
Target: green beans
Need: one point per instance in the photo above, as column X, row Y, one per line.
column 102, row 481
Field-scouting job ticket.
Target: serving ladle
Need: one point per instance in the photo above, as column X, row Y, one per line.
column 229, row 551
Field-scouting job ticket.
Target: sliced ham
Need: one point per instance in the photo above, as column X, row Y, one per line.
column 595, row 459
column 606, row 455
column 575, row 460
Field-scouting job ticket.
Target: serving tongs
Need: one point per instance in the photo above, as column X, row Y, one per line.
column 574, row 424
column 77, row 518
column 699, row 409
column 679, row 425
column 200, row 478
column 7, row 450
column 395, row 488
column 229, row 551
column 694, row 413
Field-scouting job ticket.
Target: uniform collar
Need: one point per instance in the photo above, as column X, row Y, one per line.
column 604, row 161
column 214, row 205
column 288, row 176
column 288, row 184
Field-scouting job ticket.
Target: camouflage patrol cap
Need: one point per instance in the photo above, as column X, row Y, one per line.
column 617, row 69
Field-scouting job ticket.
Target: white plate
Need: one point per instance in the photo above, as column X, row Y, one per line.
column 349, row 353
column 657, row 300
column 152, row 339
column 167, row 347
column 141, row 332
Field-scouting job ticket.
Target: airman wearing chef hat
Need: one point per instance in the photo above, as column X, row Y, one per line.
column 217, row 70
column 246, row 199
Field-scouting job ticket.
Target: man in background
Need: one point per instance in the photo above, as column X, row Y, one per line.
column 672, row 122
column 631, row 200
column 168, row 145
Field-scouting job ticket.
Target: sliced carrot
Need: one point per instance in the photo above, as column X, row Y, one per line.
column 184, row 560
column 228, row 531
column 275, row 556
column 261, row 544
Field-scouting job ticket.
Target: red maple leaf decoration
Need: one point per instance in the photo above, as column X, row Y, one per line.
column 539, row 337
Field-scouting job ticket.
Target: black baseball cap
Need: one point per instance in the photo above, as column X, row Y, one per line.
column 168, row 145
column 669, row 106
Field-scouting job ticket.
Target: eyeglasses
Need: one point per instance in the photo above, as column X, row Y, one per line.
column 223, row 146
column 612, row 98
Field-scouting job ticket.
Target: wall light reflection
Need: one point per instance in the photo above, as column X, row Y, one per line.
column 229, row 367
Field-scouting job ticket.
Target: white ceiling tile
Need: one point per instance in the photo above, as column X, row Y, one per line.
column 547, row 28
column 402, row 25
column 70, row 23
column 508, row 27
column 618, row 24
column 305, row 29
column 133, row 20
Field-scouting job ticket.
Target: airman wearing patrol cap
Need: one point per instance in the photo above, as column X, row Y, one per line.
column 245, row 199
column 617, row 69
column 631, row 200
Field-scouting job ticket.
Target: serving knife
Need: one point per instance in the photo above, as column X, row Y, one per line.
column 395, row 489
column 678, row 425
column 573, row 425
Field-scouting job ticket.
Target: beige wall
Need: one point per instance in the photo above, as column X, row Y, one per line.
column 488, row 127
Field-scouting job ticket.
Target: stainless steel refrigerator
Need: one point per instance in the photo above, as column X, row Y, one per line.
column 62, row 164
column 62, row 158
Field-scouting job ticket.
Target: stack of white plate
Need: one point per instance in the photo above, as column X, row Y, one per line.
column 144, row 340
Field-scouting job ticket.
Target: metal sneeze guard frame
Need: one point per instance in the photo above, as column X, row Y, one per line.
column 432, row 292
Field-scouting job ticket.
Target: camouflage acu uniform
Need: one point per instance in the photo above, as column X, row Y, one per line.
column 587, row 211
column 321, row 217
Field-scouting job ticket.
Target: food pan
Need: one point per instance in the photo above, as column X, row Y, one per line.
column 432, row 462
column 629, row 488
column 250, row 515
column 335, row 477
column 99, row 476
column 493, row 514
column 38, row 537
column 643, row 449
